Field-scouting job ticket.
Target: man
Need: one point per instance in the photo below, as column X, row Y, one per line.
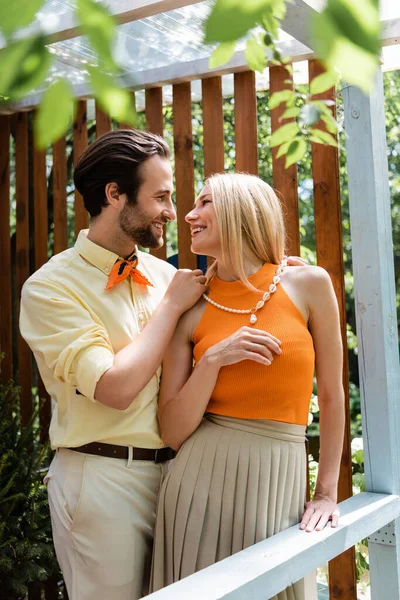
column 98, row 318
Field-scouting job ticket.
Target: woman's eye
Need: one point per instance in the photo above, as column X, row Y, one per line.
column 206, row 202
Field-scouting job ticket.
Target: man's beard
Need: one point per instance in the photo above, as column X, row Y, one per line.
column 138, row 229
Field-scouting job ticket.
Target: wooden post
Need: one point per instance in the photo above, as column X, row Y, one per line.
column 375, row 301
column 329, row 244
column 246, row 142
column 285, row 180
column 22, row 236
column 60, row 196
column 6, row 366
column 80, row 143
column 155, row 124
column 213, row 125
column 184, row 170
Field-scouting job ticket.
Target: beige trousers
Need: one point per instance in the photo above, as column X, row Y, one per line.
column 103, row 513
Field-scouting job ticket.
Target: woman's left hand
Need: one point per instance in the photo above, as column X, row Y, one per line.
column 318, row 512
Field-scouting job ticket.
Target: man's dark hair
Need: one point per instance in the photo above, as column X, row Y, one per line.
column 115, row 157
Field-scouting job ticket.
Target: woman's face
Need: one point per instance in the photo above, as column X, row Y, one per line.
column 203, row 226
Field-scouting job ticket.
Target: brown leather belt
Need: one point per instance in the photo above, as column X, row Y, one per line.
column 158, row 455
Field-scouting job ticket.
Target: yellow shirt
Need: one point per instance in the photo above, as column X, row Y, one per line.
column 74, row 328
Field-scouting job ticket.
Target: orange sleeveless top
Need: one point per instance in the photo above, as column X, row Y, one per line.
column 249, row 390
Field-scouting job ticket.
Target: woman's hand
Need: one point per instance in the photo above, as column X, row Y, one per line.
column 318, row 512
column 245, row 344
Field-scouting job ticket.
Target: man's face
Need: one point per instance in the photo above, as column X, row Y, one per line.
column 145, row 221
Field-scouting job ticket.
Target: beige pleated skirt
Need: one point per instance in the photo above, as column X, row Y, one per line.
column 233, row 483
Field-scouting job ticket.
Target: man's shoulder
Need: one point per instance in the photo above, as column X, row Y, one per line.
column 156, row 267
column 54, row 271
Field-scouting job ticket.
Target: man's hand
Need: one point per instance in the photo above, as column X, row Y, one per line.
column 185, row 289
column 296, row 261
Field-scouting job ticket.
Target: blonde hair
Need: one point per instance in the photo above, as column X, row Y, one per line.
column 249, row 216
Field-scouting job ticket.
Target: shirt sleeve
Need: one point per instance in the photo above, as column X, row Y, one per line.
column 68, row 337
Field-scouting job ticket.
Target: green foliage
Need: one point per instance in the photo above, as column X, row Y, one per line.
column 114, row 100
column 17, row 14
column 47, row 128
column 255, row 55
column 222, row 54
column 100, row 27
column 26, row 548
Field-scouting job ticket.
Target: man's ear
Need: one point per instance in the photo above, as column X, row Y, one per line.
column 113, row 196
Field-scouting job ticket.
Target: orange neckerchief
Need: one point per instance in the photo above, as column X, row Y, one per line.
column 122, row 269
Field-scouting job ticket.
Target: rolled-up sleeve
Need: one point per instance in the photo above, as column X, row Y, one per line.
column 68, row 337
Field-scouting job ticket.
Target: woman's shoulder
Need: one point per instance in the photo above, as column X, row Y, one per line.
column 307, row 275
column 310, row 284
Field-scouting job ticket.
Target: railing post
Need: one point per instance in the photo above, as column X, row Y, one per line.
column 374, row 289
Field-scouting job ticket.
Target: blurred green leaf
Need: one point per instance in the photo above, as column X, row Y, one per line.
column 231, row 19
column 114, row 100
column 24, row 66
column 296, row 151
column 357, row 21
column 100, row 27
column 255, row 55
column 17, row 14
column 278, row 97
column 356, row 64
column 222, row 54
column 291, row 113
column 283, row 149
column 323, row 137
column 274, row 12
column 55, row 113
column 324, row 82
column 330, row 123
column 285, row 133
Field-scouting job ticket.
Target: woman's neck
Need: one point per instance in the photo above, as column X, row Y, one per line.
column 251, row 266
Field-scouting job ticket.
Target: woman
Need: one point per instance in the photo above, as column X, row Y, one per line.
column 238, row 417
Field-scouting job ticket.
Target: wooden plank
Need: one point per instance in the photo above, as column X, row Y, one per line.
column 60, row 196
column 80, row 143
column 41, row 238
column 246, row 122
column 375, row 302
column 155, row 124
column 6, row 366
column 285, row 180
column 328, row 233
column 103, row 121
column 266, row 568
column 213, row 125
column 123, row 125
column 184, row 170
column 22, row 256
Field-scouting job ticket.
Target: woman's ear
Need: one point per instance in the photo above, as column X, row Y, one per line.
column 112, row 194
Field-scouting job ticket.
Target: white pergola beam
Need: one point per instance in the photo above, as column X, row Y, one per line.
column 376, row 320
column 174, row 73
column 265, row 569
column 297, row 21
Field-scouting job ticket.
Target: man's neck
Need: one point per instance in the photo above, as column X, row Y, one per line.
column 105, row 237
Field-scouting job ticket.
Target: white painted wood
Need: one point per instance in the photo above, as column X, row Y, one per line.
column 263, row 570
column 374, row 285
column 174, row 73
column 297, row 21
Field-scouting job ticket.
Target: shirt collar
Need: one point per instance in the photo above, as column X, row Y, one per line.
column 96, row 255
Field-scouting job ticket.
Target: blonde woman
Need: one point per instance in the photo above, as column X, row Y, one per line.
column 238, row 417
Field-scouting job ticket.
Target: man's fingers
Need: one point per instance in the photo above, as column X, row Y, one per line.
column 323, row 521
column 308, row 513
column 335, row 518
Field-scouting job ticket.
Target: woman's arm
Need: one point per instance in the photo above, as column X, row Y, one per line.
column 325, row 330
column 184, row 393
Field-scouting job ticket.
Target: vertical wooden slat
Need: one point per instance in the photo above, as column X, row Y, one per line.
column 328, row 231
column 103, row 121
column 60, row 196
column 40, row 236
column 154, row 112
column 123, row 125
column 5, row 252
column 184, row 170
column 80, row 143
column 155, row 124
column 213, row 125
column 246, row 122
column 22, row 239
column 285, row 180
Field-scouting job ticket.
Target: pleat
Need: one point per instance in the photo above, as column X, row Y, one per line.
column 228, row 489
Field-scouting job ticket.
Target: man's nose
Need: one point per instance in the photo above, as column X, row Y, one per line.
column 170, row 212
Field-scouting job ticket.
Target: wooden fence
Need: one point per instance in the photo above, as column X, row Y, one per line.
column 31, row 192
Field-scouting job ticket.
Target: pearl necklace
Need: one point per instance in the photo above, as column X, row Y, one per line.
column 266, row 296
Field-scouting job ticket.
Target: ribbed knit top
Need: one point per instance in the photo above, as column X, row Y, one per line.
column 250, row 390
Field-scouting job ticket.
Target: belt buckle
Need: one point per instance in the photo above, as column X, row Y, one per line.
column 156, row 456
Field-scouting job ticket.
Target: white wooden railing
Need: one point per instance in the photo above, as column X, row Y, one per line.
column 265, row 569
